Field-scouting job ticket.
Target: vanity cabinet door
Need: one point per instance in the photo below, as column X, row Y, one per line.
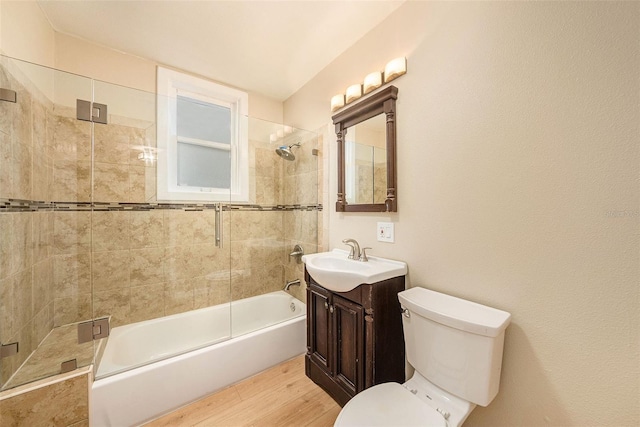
column 319, row 344
column 348, row 337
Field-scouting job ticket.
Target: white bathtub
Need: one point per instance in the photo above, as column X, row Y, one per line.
column 151, row 368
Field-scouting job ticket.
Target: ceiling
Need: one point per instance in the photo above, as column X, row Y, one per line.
column 268, row 47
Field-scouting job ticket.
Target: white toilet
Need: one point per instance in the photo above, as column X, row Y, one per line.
column 455, row 347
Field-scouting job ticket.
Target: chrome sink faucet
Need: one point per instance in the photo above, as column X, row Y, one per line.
column 355, row 248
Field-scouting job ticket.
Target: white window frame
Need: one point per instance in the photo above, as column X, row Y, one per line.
column 170, row 84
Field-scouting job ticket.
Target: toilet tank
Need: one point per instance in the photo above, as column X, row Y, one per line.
column 454, row 343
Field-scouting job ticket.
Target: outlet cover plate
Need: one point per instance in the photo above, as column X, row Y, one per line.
column 385, row 232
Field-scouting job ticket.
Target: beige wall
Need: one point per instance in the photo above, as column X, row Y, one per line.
column 518, row 187
column 25, row 32
column 81, row 57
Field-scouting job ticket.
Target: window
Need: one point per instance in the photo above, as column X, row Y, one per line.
column 202, row 140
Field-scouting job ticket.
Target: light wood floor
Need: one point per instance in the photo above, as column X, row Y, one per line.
column 280, row 396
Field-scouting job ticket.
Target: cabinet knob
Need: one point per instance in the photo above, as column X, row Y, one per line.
column 326, row 305
column 331, row 308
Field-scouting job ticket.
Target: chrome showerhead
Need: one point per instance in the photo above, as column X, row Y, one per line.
column 286, row 153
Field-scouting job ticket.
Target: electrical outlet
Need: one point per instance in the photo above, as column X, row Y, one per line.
column 385, row 232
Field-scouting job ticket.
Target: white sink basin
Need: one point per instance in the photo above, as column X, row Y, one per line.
column 336, row 272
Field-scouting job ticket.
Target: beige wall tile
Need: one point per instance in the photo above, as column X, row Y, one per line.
column 22, row 128
column 111, row 143
column 22, row 298
column 42, row 234
column 72, row 139
column 147, row 302
column 6, row 308
column 146, row 266
column 182, row 262
column 71, row 232
column 42, row 274
column 6, row 245
column 115, row 303
column 137, row 182
column 110, row 230
column 178, row 296
column 42, row 323
column 72, row 180
column 146, row 229
column 71, row 274
column 109, row 270
column 74, row 308
column 6, row 166
column 22, row 169
column 60, row 404
column 111, row 182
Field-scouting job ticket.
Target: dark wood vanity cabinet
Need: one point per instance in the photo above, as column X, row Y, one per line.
column 354, row 339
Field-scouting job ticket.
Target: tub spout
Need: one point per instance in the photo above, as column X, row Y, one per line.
column 292, row 283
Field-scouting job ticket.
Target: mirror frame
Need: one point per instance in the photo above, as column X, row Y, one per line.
column 380, row 102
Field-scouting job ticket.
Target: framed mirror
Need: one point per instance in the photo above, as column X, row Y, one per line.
column 366, row 137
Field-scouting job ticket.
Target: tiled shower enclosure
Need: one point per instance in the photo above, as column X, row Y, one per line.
column 83, row 235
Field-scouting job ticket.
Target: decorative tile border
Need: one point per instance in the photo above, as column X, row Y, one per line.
column 15, row 205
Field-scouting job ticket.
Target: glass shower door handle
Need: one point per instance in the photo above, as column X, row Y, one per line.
column 219, row 227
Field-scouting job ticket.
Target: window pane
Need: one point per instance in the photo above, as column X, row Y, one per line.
column 201, row 120
column 200, row 166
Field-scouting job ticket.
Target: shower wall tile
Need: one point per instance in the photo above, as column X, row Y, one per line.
column 6, row 308
column 111, row 182
column 137, row 184
column 42, row 324
column 147, row 302
column 22, row 120
column 146, row 228
column 182, row 262
column 39, row 122
column 71, row 232
column 71, row 309
column 63, row 403
column 42, row 274
column 6, row 245
column 72, row 180
column 42, row 235
column 108, row 270
column 111, row 144
column 22, row 169
column 21, row 242
column 115, row 303
column 71, row 275
column 43, row 178
column 145, row 266
column 111, row 231
column 6, row 166
column 23, row 298
column 178, row 296
column 71, row 139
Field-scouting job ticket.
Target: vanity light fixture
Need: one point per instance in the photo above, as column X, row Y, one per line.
column 337, row 102
column 372, row 81
column 395, row 68
column 353, row 92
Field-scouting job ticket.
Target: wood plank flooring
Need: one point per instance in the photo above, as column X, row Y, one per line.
column 280, row 396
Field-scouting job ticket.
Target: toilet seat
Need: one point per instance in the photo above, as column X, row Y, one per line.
column 388, row 404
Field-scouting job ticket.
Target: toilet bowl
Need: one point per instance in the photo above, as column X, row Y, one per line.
column 414, row 403
column 456, row 349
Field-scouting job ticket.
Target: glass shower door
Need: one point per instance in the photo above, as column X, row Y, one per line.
column 45, row 187
column 160, row 267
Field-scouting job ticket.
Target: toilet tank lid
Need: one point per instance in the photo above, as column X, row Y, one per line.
column 455, row 312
